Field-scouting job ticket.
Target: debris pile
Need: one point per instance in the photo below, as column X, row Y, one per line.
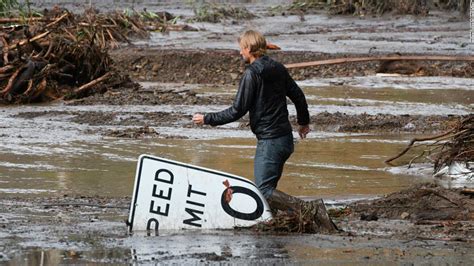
column 310, row 217
column 62, row 55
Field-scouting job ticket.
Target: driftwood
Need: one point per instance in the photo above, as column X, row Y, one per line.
column 379, row 58
column 46, row 59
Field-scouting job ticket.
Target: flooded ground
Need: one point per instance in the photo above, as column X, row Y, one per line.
column 57, row 155
column 62, row 148
column 67, row 168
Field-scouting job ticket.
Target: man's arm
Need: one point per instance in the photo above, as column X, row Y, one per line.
column 243, row 101
column 296, row 95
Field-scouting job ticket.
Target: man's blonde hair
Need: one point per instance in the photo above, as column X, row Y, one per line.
column 255, row 41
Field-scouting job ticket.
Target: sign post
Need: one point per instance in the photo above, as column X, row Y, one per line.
column 174, row 195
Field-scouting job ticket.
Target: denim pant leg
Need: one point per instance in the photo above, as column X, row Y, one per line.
column 270, row 157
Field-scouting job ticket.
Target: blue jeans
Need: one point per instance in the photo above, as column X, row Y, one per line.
column 270, row 156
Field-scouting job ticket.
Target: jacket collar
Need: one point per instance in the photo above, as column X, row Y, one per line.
column 260, row 63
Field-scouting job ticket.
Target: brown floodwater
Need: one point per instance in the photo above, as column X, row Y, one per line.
column 45, row 154
column 49, row 154
column 330, row 167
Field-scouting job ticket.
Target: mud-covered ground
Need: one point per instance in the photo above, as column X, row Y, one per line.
column 423, row 223
column 140, row 122
column 225, row 66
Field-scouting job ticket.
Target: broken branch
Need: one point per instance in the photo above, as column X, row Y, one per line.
column 91, row 84
column 413, row 142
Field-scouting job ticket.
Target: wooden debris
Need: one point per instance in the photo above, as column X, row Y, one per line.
column 62, row 55
column 91, row 84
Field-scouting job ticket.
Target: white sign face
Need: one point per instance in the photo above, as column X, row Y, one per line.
column 174, row 195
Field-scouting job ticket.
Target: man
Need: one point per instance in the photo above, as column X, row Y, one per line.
column 262, row 92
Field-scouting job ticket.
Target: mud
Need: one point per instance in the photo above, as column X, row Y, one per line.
column 160, row 94
column 139, row 123
column 82, row 229
column 225, row 66
column 421, row 203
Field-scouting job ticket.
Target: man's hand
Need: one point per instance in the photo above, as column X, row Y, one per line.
column 198, row 119
column 303, row 131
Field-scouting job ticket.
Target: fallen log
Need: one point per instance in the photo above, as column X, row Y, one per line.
column 380, row 58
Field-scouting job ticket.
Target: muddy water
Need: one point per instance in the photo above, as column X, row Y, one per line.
column 319, row 167
column 45, row 154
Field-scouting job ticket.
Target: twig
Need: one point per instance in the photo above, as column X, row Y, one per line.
column 37, row 37
column 467, row 191
column 66, row 14
column 6, row 68
column 92, row 83
column 415, row 140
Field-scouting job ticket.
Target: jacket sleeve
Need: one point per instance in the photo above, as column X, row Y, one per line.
column 243, row 101
column 296, row 95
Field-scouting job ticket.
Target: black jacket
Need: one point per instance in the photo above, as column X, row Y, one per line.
column 262, row 91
